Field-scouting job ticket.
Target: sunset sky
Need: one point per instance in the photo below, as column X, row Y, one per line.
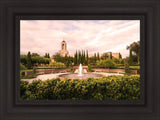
column 45, row 36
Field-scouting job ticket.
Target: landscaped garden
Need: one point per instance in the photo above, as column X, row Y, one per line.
column 120, row 81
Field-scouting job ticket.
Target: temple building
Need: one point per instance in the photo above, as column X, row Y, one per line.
column 63, row 50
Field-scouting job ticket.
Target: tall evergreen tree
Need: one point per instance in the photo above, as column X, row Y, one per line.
column 135, row 48
column 48, row 55
column 111, row 55
column 87, row 58
column 75, row 58
column 95, row 58
column 84, row 57
column 45, row 55
column 29, row 61
column 120, row 56
column 79, row 57
column 98, row 55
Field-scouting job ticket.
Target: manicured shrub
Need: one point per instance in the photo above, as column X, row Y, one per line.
column 104, row 88
column 126, row 67
column 22, row 67
column 22, row 73
column 34, row 70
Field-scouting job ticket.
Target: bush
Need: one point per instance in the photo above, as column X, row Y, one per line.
column 107, row 63
column 22, row 73
column 34, row 70
column 22, row 67
column 57, row 64
column 28, row 76
column 126, row 67
column 90, row 68
column 105, row 88
column 71, row 69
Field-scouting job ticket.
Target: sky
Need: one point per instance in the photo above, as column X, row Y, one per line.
column 45, row 36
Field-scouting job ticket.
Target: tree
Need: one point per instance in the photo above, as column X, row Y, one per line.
column 84, row 56
column 107, row 63
column 89, row 68
column 116, row 60
column 120, row 56
column 22, row 67
column 29, row 61
column 23, row 59
column 75, row 58
column 47, row 55
column 98, row 56
column 35, row 55
column 127, row 70
column 95, row 58
column 87, row 58
column 110, row 56
column 34, row 70
column 135, row 48
column 57, row 64
column 105, row 56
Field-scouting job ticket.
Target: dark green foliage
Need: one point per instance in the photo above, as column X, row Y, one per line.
column 135, row 48
column 120, row 56
column 105, row 88
column 105, row 56
column 90, row 68
column 33, row 59
column 37, row 60
column 107, row 63
column 34, row 70
column 47, row 55
column 22, row 73
column 67, row 60
column 29, row 61
column 23, row 59
column 57, row 64
column 22, row 67
column 87, row 58
column 95, row 57
column 98, row 56
column 126, row 66
column 35, row 54
column 75, row 58
column 110, row 56
column 80, row 57
column 28, row 76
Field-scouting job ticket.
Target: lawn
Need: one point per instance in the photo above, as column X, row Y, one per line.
column 131, row 67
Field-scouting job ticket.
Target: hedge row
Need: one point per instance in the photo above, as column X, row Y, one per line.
column 105, row 88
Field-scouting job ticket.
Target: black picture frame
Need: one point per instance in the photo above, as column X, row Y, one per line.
column 11, row 11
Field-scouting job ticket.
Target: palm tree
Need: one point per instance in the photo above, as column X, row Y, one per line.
column 135, row 48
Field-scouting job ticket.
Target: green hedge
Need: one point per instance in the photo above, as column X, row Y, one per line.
column 105, row 88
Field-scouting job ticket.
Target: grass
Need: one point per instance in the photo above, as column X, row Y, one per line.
column 131, row 67
column 36, row 69
column 28, row 77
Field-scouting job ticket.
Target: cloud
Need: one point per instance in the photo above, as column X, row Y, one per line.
column 43, row 36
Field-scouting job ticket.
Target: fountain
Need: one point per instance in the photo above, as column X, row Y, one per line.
column 80, row 70
column 80, row 73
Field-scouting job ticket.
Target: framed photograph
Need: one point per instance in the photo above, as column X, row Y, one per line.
column 74, row 62
column 79, row 60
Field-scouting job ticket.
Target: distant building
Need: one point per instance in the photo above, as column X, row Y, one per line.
column 63, row 50
column 115, row 55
